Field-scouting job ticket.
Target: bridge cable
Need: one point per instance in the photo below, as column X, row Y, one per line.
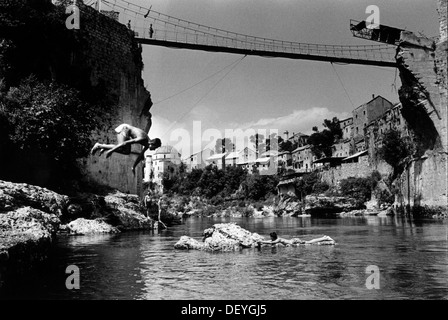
column 342, row 84
column 204, row 96
column 198, row 83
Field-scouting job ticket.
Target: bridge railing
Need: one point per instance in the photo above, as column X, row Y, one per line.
column 367, row 52
column 170, row 29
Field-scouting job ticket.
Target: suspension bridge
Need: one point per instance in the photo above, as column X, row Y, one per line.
column 154, row 28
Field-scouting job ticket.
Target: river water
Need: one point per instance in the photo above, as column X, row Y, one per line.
column 412, row 257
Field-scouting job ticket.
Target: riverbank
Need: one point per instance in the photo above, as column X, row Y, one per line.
column 31, row 217
column 286, row 206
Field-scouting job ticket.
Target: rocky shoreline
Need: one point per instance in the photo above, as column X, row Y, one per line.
column 286, row 206
column 31, row 217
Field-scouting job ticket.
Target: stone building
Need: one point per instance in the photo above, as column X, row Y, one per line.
column 218, row 160
column 303, row 159
column 197, row 160
column 165, row 159
column 346, row 127
column 368, row 112
column 343, row 148
column 241, row 157
column 299, row 138
column 374, row 132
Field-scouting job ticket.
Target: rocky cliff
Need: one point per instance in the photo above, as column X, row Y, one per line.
column 102, row 60
column 422, row 63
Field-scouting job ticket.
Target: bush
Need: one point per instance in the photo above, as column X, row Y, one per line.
column 258, row 187
column 47, row 121
column 385, row 197
column 358, row 188
column 247, row 212
column 321, row 187
column 258, row 206
column 216, row 200
column 395, row 150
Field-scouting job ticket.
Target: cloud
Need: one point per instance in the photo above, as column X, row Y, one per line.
column 195, row 132
column 297, row 121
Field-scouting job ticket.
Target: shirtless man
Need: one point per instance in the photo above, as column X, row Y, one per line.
column 275, row 240
column 126, row 136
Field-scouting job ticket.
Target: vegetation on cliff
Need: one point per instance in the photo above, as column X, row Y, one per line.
column 395, row 150
column 46, row 127
column 48, row 106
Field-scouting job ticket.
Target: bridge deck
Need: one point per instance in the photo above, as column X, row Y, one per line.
column 268, row 53
column 154, row 28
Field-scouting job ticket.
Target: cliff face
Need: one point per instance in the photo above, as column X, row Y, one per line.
column 101, row 60
column 113, row 59
column 423, row 72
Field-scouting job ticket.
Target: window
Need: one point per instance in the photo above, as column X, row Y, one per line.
column 364, row 112
column 357, row 131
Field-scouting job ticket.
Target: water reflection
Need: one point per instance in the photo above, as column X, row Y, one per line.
column 411, row 255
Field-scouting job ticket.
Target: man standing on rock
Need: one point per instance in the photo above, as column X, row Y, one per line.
column 126, row 136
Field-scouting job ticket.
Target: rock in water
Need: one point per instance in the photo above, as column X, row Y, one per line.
column 126, row 212
column 221, row 237
column 85, row 226
column 229, row 237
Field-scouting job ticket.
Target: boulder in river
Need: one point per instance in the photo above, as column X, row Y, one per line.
column 229, row 237
column 86, row 226
column 320, row 205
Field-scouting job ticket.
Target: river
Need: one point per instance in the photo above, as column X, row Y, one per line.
column 412, row 257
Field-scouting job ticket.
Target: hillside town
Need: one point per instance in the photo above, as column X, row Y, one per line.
column 353, row 154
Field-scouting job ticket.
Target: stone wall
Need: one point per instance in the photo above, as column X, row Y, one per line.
column 422, row 65
column 332, row 176
column 113, row 58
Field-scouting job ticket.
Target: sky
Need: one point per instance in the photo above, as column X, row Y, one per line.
column 274, row 94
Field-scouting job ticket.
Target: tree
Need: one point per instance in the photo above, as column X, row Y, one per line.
column 359, row 189
column 288, row 146
column 395, row 150
column 211, row 182
column 259, row 141
column 321, row 141
column 224, row 145
column 48, row 120
column 334, row 128
column 258, row 187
